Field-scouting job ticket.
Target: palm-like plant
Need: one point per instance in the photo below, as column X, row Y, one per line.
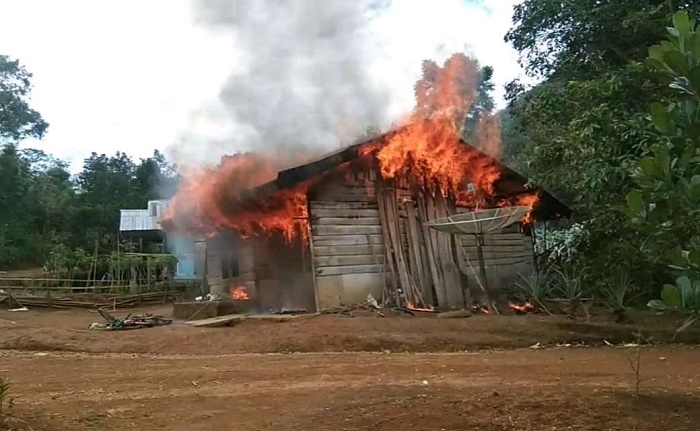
column 570, row 284
column 537, row 287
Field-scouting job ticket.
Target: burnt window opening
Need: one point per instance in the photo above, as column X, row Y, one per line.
column 153, row 209
column 229, row 265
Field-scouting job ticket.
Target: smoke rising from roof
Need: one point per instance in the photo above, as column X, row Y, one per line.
column 301, row 81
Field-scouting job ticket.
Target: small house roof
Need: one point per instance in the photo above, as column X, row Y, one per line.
column 510, row 182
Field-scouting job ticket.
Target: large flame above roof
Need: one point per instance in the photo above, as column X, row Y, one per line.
column 424, row 150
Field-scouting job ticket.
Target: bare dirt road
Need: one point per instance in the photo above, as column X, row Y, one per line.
column 64, row 377
column 564, row 389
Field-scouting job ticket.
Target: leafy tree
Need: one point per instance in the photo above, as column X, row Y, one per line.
column 582, row 126
column 17, row 119
column 43, row 210
column 665, row 205
column 587, row 38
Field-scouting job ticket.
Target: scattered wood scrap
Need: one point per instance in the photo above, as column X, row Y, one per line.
column 280, row 317
column 349, row 309
column 231, row 319
column 217, row 322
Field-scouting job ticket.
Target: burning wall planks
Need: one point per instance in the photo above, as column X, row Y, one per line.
column 347, row 239
column 349, row 246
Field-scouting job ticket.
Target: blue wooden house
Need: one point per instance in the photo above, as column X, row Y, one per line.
column 142, row 227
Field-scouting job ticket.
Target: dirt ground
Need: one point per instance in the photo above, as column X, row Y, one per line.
column 358, row 373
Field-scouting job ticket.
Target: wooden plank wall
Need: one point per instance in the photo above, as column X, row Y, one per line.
column 347, row 240
column 215, row 281
column 507, row 253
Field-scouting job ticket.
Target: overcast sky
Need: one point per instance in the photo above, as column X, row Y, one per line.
column 133, row 75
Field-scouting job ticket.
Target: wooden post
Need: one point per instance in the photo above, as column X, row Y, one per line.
column 313, row 263
column 167, row 287
column 482, row 270
column 94, row 272
column 533, row 242
column 205, row 270
column 428, row 240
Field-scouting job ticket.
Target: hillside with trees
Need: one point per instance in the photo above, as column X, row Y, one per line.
column 582, row 128
column 43, row 206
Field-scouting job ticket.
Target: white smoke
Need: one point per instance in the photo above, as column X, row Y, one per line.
column 315, row 74
column 302, row 78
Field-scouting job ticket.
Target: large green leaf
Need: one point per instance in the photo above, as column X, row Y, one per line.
column 677, row 62
column 684, row 283
column 661, row 159
column 656, row 53
column 671, row 296
column 635, row 201
column 661, row 119
column 648, row 166
column 694, row 45
column 681, row 22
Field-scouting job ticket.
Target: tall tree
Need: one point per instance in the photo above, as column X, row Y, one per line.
column 17, row 119
column 585, row 122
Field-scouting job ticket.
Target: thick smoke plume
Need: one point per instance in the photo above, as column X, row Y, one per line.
column 301, row 81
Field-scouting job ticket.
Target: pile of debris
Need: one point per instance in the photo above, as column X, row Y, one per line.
column 136, row 321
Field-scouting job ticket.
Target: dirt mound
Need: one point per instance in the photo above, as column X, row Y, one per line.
column 67, row 331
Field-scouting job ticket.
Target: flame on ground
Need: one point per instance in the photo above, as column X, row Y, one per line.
column 522, row 309
column 239, row 293
column 410, row 306
column 483, row 309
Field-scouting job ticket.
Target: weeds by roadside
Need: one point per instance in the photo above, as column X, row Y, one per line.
column 9, row 422
column 634, row 358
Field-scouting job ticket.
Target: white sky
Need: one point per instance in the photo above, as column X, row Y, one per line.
column 130, row 75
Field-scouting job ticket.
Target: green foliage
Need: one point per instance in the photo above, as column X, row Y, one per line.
column 63, row 260
column 569, row 283
column 46, row 214
column 560, row 246
column 17, row 119
column 537, row 287
column 664, row 206
column 618, row 292
column 587, row 38
column 586, row 123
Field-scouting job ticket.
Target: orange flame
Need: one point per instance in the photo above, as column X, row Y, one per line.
column 223, row 197
column 527, row 307
column 426, row 151
column 410, row 306
column 476, row 308
column 239, row 293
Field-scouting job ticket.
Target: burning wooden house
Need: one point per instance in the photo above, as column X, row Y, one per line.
column 351, row 224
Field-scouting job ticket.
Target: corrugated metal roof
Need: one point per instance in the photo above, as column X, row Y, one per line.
column 132, row 220
column 142, row 219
